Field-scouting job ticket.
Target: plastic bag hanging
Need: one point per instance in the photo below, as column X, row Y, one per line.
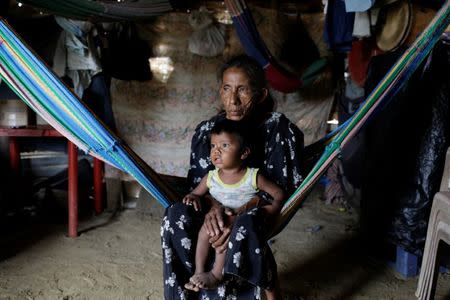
column 208, row 38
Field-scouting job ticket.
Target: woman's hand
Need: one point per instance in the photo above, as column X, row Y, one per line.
column 214, row 220
column 220, row 242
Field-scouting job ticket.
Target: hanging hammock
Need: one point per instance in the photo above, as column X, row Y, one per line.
column 388, row 87
column 278, row 78
column 49, row 97
column 102, row 9
column 44, row 92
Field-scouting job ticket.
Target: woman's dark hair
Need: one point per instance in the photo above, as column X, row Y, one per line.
column 237, row 128
column 257, row 78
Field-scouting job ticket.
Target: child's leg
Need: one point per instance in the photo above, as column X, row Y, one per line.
column 219, row 262
column 201, row 255
column 202, row 250
column 210, row 280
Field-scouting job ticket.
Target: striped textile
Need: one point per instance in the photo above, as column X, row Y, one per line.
column 43, row 91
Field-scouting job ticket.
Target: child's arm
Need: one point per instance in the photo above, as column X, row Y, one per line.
column 273, row 190
column 193, row 198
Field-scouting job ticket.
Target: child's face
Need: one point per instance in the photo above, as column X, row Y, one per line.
column 226, row 151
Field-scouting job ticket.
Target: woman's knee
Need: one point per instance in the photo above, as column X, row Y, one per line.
column 176, row 210
column 182, row 218
column 245, row 220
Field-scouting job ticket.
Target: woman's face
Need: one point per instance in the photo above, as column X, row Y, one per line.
column 236, row 94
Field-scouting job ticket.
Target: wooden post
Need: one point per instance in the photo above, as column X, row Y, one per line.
column 98, row 186
column 73, row 189
column 14, row 155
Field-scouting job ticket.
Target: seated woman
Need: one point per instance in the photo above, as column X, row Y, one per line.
column 249, row 265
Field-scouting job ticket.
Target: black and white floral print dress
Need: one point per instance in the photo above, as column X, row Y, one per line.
column 249, row 265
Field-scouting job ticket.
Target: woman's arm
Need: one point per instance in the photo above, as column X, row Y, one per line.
column 273, row 190
column 283, row 153
column 216, row 217
column 218, row 222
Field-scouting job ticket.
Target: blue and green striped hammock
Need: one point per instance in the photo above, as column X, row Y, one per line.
column 42, row 90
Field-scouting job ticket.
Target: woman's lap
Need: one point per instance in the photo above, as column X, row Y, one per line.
column 178, row 232
column 248, row 256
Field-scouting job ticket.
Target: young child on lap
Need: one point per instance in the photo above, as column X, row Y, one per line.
column 233, row 185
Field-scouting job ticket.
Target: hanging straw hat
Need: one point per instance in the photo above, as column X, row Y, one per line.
column 422, row 16
column 394, row 23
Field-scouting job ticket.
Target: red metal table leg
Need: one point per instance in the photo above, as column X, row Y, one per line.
column 73, row 189
column 98, row 186
column 14, row 155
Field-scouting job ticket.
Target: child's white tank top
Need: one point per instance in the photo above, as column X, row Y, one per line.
column 233, row 195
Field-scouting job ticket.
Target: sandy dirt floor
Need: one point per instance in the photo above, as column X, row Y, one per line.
column 119, row 257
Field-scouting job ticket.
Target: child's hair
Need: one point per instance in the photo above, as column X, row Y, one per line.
column 238, row 128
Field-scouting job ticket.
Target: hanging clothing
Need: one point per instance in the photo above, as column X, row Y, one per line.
column 98, row 98
column 76, row 54
column 358, row 5
column 338, row 30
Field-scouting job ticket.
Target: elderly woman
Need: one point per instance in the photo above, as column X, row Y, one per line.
column 249, row 266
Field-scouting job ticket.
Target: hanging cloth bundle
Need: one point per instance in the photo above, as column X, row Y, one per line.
column 208, row 38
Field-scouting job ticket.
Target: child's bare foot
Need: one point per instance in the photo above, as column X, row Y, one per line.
column 205, row 280
column 191, row 286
